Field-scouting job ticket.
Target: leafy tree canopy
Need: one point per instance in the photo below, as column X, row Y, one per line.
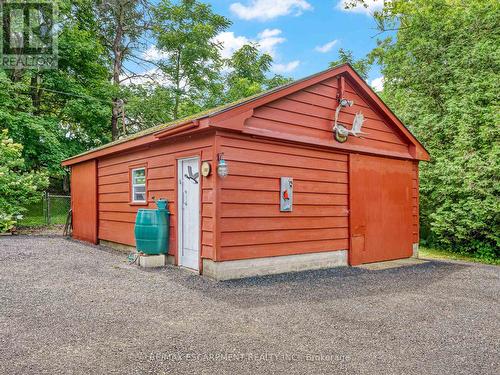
column 362, row 66
column 185, row 32
column 441, row 72
column 248, row 73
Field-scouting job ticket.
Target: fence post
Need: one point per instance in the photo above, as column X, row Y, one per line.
column 48, row 208
column 42, row 202
column 44, row 206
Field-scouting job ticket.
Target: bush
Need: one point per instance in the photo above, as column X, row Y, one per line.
column 18, row 187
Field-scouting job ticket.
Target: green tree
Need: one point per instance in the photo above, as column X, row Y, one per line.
column 148, row 105
column 39, row 132
column 362, row 66
column 120, row 25
column 185, row 31
column 18, row 186
column 78, row 95
column 249, row 71
column 441, row 72
column 61, row 112
column 249, row 63
column 278, row 80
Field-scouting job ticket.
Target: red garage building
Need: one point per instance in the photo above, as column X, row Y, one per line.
column 304, row 188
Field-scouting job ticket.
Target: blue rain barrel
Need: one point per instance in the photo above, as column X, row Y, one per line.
column 152, row 229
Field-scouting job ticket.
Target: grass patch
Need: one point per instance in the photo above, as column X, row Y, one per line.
column 39, row 221
column 35, row 215
column 425, row 252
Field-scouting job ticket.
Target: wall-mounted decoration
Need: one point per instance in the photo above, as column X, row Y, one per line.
column 286, row 194
column 206, row 169
column 193, row 177
column 342, row 132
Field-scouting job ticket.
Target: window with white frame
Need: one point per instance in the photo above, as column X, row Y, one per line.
column 139, row 185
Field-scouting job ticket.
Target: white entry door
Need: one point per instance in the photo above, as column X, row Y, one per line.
column 189, row 213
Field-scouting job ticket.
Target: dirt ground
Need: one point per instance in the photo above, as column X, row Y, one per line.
column 48, row 230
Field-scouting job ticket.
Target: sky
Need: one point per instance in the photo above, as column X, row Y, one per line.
column 302, row 36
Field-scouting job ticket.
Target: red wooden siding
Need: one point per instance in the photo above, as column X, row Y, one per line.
column 84, row 201
column 309, row 113
column 415, row 204
column 251, row 223
column 117, row 214
column 361, row 195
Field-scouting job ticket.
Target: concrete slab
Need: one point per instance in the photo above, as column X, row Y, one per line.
column 152, row 261
column 392, row 264
column 415, row 250
column 130, row 249
column 237, row 269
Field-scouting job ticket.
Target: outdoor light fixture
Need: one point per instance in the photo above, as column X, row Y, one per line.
column 222, row 168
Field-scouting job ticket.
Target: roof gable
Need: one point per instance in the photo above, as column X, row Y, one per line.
column 310, row 104
column 234, row 115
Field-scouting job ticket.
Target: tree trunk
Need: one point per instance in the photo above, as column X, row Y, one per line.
column 177, row 97
column 117, row 68
column 35, row 92
column 176, row 105
column 15, row 74
column 66, row 182
column 114, row 120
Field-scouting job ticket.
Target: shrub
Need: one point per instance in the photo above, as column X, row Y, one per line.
column 18, row 187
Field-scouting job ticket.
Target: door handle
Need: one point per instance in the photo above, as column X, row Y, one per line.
column 185, row 203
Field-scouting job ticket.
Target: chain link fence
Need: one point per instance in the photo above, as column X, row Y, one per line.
column 50, row 209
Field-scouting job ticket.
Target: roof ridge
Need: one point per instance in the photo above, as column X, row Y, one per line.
column 202, row 114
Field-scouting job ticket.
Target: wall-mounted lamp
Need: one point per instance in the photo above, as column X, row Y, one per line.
column 222, row 168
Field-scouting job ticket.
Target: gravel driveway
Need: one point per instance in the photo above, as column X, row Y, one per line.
column 67, row 307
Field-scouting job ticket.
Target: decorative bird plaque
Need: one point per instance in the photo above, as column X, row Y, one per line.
column 286, row 194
